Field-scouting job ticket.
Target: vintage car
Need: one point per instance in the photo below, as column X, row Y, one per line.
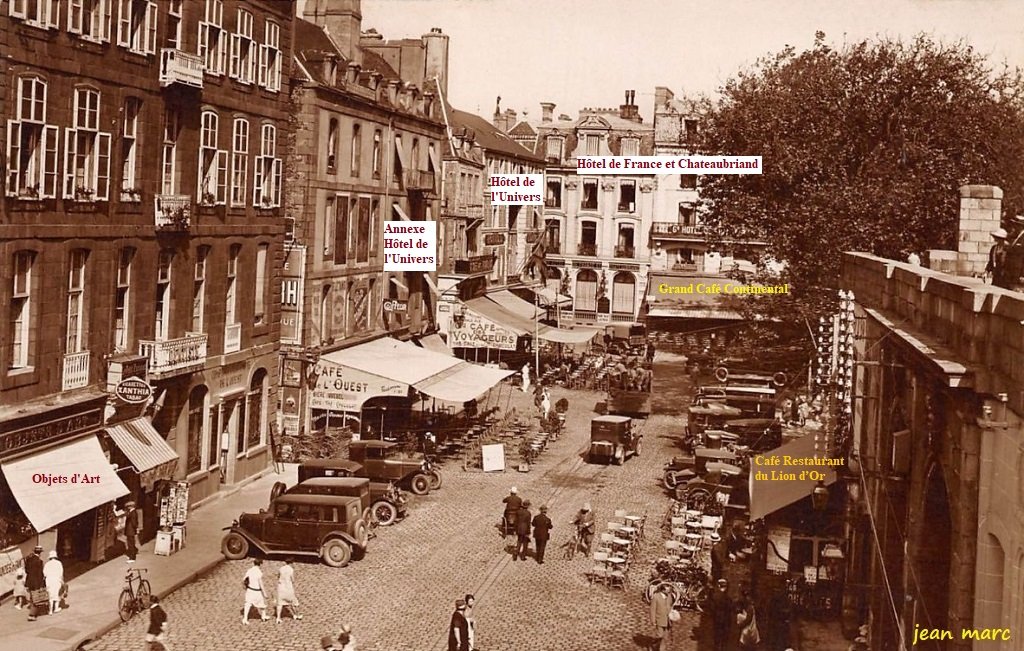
column 720, row 485
column 328, row 526
column 682, row 469
column 703, row 417
column 385, row 461
column 376, row 509
column 751, row 401
column 613, row 438
column 387, row 503
column 758, row 434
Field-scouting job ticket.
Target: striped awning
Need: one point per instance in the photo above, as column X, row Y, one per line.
column 147, row 451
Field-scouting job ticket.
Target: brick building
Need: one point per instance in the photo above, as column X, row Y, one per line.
column 367, row 151
column 141, row 233
column 937, row 463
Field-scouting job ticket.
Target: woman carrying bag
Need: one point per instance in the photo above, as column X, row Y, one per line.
column 746, row 619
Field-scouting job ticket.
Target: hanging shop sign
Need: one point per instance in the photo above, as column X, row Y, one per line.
column 494, row 239
column 291, row 294
column 395, row 305
column 133, row 390
column 339, row 388
column 471, row 330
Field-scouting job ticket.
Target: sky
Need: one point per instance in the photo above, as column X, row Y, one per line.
column 586, row 53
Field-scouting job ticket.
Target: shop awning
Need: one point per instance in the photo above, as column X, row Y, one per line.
column 434, row 343
column 703, row 300
column 769, row 495
column 496, row 314
column 512, row 303
column 152, row 457
column 548, row 296
column 564, row 336
column 86, row 480
column 399, row 361
column 521, row 325
column 462, row 383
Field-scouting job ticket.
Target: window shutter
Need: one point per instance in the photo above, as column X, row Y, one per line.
column 70, row 145
column 13, row 155
column 222, row 52
column 236, row 53
column 103, row 166
column 222, row 176
column 75, row 16
column 275, row 83
column 251, row 73
column 277, row 183
column 264, row 59
column 16, row 8
column 151, row 14
column 105, row 20
column 124, row 23
column 53, row 15
column 51, row 137
column 204, row 43
column 257, row 185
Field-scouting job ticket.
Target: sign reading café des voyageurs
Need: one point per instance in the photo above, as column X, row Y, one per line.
column 477, row 332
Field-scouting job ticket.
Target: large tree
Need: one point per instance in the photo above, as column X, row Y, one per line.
column 863, row 148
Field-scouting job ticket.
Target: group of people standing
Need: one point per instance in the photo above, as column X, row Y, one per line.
column 517, row 518
column 37, row 576
column 462, row 628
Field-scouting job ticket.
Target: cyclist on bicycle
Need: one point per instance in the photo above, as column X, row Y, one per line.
column 585, row 526
column 512, row 505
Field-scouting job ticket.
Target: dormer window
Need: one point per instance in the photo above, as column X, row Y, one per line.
column 593, row 145
column 554, row 152
column 630, row 146
column 331, row 71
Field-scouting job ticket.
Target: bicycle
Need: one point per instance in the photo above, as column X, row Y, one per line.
column 133, row 599
column 576, row 543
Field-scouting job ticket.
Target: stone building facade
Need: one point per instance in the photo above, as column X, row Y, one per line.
column 141, row 230
column 367, row 151
column 937, row 463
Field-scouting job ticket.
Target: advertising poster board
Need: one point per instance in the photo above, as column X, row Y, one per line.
column 493, row 457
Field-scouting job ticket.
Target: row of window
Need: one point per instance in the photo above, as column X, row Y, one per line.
column 592, row 146
column 590, row 194
column 33, row 151
column 589, row 289
column 625, row 241
column 250, row 61
column 23, row 317
column 350, row 226
column 210, row 423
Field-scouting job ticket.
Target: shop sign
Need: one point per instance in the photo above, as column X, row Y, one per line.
column 395, row 305
column 14, row 556
column 476, row 332
column 231, row 378
column 291, row 294
column 339, row 388
column 133, row 390
column 778, row 552
column 494, row 239
column 26, row 437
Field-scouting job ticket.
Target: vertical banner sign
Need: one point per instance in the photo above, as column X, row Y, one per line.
column 291, row 294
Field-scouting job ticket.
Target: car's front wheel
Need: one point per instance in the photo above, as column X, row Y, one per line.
column 385, row 512
column 435, row 479
column 336, row 553
column 639, row 447
column 420, row 484
column 234, row 546
column 669, row 481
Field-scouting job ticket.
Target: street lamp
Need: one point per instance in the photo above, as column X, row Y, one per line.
column 819, row 497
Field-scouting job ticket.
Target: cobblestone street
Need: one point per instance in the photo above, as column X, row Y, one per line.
column 401, row 595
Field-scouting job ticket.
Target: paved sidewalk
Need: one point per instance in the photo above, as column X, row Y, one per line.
column 93, row 595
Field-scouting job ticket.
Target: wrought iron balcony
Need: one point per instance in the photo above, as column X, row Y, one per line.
column 177, row 67
column 76, row 371
column 419, row 180
column 625, row 252
column 477, row 264
column 586, row 248
column 172, row 212
column 671, row 230
column 174, row 356
column 232, row 338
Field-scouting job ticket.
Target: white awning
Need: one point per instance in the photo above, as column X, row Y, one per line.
column 769, row 495
column 550, row 297
column 462, row 383
column 87, row 480
column 434, row 343
column 401, row 152
column 509, row 301
column 563, row 336
column 401, row 213
column 400, row 361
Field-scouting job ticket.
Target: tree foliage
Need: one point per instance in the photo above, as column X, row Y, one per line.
column 864, row 149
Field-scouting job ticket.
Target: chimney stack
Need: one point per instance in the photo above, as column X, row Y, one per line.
column 342, row 20
column 435, row 46
column 662, row 96
column 629, row 110
column 547, row 109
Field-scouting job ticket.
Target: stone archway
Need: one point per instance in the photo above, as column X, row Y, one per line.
column 933, row 562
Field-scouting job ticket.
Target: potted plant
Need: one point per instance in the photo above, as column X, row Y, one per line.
column 83, row 193
column 208, row 199
column 131, row 194
column 29, row 192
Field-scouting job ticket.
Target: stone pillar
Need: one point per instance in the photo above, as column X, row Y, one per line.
column 980, row 212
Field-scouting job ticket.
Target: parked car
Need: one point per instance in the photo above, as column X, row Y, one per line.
column 385, row 461
column 381, row 511
column 327, row 526
column 613, row 438
column 387, row 503
column 682, row 469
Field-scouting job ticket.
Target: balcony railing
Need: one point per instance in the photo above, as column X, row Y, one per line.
column 673, row 229
column 421, row 180
column 76, row 371
column 586, row 249
column 233, row 338
column 173, row 212
column 174, row 356
column 177, row 67
column 477, row 264
column 625, row 252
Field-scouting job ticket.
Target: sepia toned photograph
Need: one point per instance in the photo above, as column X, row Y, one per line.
column 512, row 325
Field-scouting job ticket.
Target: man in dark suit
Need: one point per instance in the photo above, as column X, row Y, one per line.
column 512, row 505
column 34, row 579
column 541, row 532
column 458, row 629
column 721, row 615
column 131, row 531
column 523, row 521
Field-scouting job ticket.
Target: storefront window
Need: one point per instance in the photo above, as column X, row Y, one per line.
column 254, row 408
column 14, row 526
column 196, row 411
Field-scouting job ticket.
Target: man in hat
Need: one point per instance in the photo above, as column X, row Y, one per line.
column 458, row 629
column 541, row 532
column 131, row 531
column 584, row 522
column 523, row 520
column 34, row 579
column 721, row 615
column 997, row 258
column 512, row 505
column 661, row 608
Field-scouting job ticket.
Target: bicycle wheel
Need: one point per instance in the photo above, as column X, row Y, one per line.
column 126, row 604
column 142, row 596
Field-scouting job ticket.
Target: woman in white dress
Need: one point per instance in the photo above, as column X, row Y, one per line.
column 53, row 572
column 286, row 591
column 470, row 601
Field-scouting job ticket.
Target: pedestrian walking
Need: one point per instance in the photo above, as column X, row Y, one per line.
column 471, row 621
column 545, row 404
column 661, row 609
column 541, row 532
column 131, row 531
column 286, row 591
column 35, row 581
column 20, row 591
column 156, row 634
column 458, row 629
column 526, row 378
column 721, row 615
column 53, row 572
column 512, row 505
column 254, row 597
column 523, row 521
column 346, row 640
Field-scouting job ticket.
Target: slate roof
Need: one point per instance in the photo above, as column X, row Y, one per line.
column 522, row 129
column 490, row 137
column 315, row 46
column 376, row 63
